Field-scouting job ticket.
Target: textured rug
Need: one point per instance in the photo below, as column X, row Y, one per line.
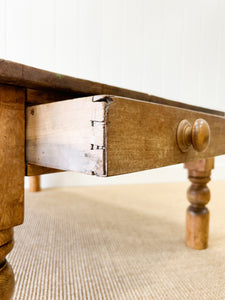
column 116, row 242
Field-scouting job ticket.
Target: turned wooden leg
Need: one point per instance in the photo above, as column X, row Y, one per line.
column 34, row 183
column 198, row 194
column 12, row 170
column 7, row 281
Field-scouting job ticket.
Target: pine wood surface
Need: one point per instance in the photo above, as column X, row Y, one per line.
column 39, row 97
column 103, row 135
column 34, row 170
column 142, row 136
column 7, row 281
column 67, row 135
column 34, row 183
column 12, row 164
column 12, row 167
column 197, row 215
column 6, row 236
column 112, row 135
column 32, row 78
column 46, row 87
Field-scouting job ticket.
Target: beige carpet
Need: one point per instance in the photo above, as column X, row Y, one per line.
column 116, row 242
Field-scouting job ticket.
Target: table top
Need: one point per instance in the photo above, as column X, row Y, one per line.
column 17, row 74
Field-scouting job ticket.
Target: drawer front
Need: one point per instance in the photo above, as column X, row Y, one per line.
column 143, row 136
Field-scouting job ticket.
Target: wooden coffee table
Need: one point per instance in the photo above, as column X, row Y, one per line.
column 51, row 122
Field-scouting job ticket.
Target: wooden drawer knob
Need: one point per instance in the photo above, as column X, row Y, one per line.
column 197, row 135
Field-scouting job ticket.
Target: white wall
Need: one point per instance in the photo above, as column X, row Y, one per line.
column 171, row 48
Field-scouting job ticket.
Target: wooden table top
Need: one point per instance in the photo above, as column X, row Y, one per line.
column 12, row 73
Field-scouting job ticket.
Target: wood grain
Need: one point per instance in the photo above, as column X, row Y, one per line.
column 35, row 97
column 6, row 243
column 127, row 136
column 33, row 170
column 20, row 75
column 6, row 236
column 34, row 183
column 7, row 281
column 12, row 162
column 196, row 136
column 197, row 216
column 40, row 97
column 142, row 136
column 67, row 135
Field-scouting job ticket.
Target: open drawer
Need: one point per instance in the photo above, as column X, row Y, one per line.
column 111, row 135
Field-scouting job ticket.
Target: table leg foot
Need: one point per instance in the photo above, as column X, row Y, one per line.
column 7, row 282
column 34, row 183
column 198, row 194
